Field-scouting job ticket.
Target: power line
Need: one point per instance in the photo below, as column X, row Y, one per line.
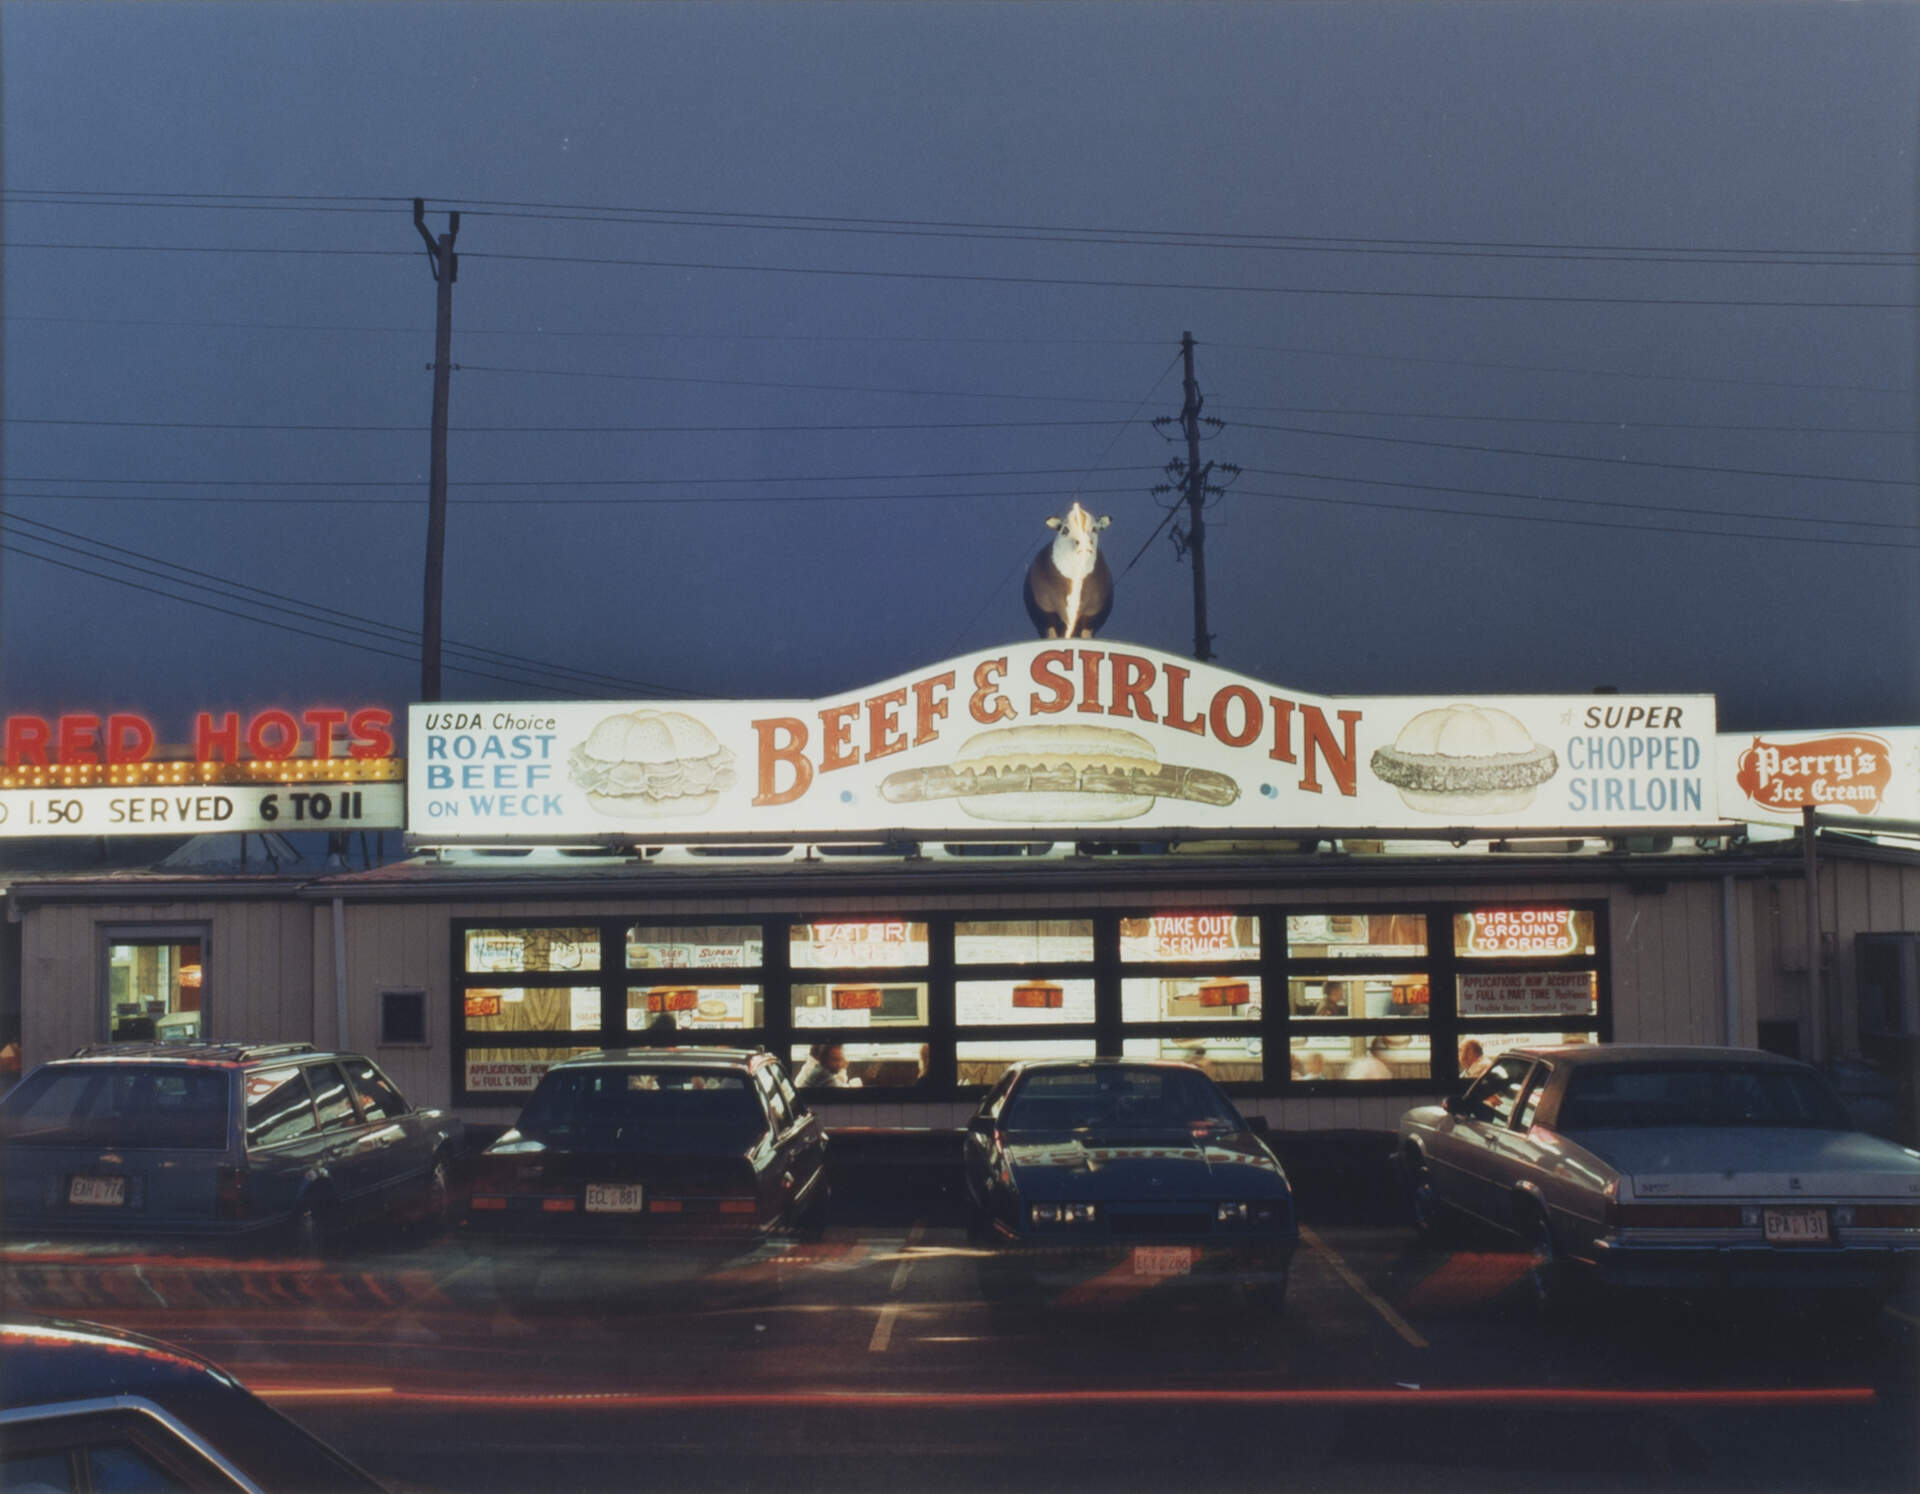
column 594, row 482
column 927, row 338
column 1569, row 456
column 557, row 430
column 955, row 227
column 1462, row 513
column 551, row 502
column 977, row 278
column 173, row 571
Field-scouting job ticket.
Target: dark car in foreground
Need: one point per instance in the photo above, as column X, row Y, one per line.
column 1131, row 1173
column 255, row 1143
column 1668, row 1167
column 88, row 1408
column 675, row 1143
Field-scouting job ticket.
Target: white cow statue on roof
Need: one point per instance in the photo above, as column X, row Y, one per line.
column 1069, row 588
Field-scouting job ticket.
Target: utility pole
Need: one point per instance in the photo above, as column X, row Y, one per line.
column 1196, row 502
column 1192, row 476
column 446, row 269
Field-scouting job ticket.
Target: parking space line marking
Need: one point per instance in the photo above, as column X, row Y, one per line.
column 914, row 1237
column 1367, row 1295
column 883, row 1329
column 1903, row 1316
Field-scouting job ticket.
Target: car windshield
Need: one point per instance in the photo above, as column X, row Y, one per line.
column 1674, row 1095
column 131, row 1108
column 577, row 1103
column 1114, row 1099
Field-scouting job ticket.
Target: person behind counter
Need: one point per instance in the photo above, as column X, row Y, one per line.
column 1473, row 1060
column 1374, row 1065
column 825, row 1068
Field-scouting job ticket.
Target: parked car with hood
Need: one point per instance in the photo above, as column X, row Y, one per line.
column 1675, row 1167
column 1139, row 1172
column 86, row 1407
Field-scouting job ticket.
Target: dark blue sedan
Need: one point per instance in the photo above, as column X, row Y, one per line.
column 1124, row 1174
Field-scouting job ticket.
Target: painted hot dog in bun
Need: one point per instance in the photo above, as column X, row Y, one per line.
column 1063, row 772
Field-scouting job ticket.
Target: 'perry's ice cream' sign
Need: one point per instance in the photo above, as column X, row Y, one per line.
column 1777, row 776
column 1056, row 737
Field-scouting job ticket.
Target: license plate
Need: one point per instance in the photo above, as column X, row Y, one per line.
column 614, row 1198
column 111, row 1192
column 1796, row 1226
column 1162, row 1260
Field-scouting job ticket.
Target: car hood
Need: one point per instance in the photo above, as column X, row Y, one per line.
column 1174, row 1166
column 1753, row 1161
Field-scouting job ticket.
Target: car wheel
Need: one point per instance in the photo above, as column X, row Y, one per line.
column 1432, row 1221
column 1551, row 1282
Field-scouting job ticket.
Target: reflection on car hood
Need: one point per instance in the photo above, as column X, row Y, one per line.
column 1167, row 1165
column 1750, row 1161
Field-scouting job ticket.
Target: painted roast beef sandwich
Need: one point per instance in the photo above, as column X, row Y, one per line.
column 1465, row 759
column 651, row 764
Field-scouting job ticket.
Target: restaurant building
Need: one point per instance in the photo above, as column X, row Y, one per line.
column 1337, row 906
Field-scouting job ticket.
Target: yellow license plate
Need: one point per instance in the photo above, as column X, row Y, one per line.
column 1796, row 1226
column 1162, row 1260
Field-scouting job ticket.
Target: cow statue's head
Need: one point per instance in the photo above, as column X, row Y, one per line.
column 1069, row 588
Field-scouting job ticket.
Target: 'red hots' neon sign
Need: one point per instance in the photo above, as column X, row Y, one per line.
column 267, row 736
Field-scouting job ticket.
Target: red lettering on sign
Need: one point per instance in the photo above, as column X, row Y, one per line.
column 79, row 739
column 1049, row 672
column 774, row 752
column 27, row 741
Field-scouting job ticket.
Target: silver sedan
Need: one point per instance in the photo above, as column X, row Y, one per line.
column 1673, row 1167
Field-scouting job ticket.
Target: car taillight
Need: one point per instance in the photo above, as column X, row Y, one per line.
column 737, row 1206
column 1886, row 1216
column 1674, row 1216
column 230, row 1199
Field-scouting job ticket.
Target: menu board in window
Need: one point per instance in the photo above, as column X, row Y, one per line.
column 870, row 944
column 1167, row 937
column 490, row 950
column 1520, row 933
column 698, row 947
column 1356, row 936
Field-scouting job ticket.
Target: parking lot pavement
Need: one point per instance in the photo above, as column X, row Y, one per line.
column 439, row 1366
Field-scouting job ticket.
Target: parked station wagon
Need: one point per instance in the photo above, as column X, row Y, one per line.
column 273, row 1142
column 1677, row 1167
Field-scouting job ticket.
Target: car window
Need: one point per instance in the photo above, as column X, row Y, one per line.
column 279, row 1107
column 378, row 1097
column 997, row 1095
column 1530, row 1102
column 134, row 1108
column 101, row 1467
column 331, row 1097
column 787, row 1092
column 625, row 1103
column 1705, row 1095
column 776, row 1103
column 121, row 1468
column 1128, row 1099
column 1498, row 1090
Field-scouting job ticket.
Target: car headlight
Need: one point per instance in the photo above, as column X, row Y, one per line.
column 1246, row 1211
column 1230, row 1213
column 1063, row 1213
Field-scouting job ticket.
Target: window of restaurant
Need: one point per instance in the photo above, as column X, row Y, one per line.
column 155, row 984
column 893, row 1006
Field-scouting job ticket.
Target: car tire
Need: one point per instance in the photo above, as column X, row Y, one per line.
column 1433, row 1221
column 1552, row 1282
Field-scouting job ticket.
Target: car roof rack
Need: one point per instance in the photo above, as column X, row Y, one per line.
column 203, row 1052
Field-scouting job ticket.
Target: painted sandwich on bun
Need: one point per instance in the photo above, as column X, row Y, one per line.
column 1463, row 760
column 1062, row 773
column 651, row 764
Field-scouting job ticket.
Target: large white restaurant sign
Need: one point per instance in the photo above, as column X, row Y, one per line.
column 1056, row 738
column 1773, row 777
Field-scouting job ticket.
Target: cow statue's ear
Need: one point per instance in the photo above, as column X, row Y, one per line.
column 1102, row 521
column 1054, row 522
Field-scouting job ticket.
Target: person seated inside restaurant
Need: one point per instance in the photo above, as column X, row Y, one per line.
column 825, row 1068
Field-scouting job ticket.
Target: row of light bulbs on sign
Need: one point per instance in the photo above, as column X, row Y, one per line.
column 179, row 774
